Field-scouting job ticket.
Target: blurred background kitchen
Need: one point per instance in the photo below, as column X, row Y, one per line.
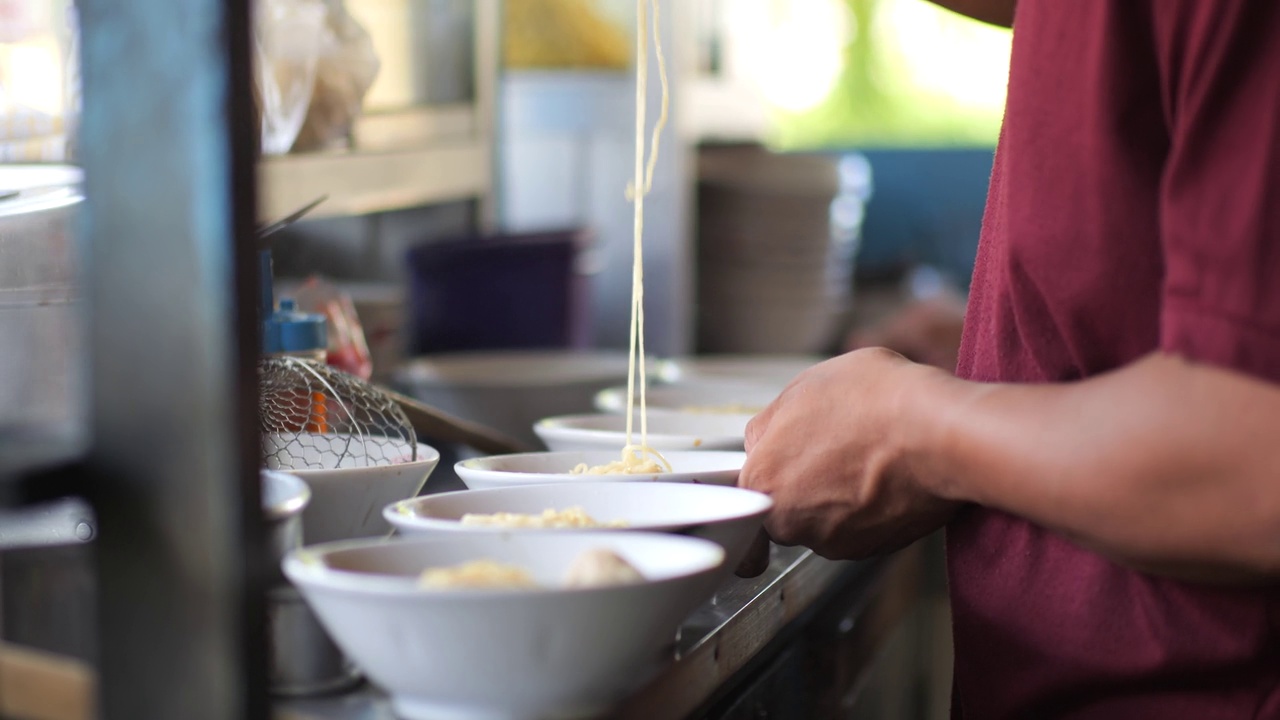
column 433, row 122
column 820, row 187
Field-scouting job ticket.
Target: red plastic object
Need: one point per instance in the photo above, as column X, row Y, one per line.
column 348, row 350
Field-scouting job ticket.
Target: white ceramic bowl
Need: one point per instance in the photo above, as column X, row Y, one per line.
column 346, row 502
column 512, row 390
column 775, row 370
column 708, row 467
column 667, row 431
column 505, row 654
column 705, row 396
column 727, row 516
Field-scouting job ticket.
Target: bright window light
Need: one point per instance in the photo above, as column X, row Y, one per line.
column 794, row 51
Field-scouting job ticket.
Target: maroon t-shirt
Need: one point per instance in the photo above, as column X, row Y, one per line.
column 1134, row 206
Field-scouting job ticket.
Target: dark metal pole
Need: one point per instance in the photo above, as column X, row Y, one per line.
column 168, row 146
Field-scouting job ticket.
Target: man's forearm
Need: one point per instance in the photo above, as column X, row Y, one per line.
column 1164, row 465
column 996, row 12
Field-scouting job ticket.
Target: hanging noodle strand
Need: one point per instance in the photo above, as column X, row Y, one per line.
column 639, row 457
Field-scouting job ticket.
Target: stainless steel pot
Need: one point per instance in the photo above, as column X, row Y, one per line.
column 284, row 497
column 303, row 660
column 41, row 357
column 46, row 578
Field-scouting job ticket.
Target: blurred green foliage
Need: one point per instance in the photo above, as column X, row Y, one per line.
column 914, row 76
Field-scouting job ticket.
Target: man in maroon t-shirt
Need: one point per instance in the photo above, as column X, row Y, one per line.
column 1107, row 461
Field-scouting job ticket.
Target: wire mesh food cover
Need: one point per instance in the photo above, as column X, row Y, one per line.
column 315, row 417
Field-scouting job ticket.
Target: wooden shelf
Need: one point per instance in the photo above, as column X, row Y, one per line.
column 360, row 182
column 416, row 127
column 403, row 158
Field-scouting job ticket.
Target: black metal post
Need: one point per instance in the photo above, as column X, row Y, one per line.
column 168, row 144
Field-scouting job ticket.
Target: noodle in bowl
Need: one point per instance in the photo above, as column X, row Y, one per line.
column 709, row 467
column 728, row 516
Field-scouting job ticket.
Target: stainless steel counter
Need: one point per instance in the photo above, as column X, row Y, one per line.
column 715, row 651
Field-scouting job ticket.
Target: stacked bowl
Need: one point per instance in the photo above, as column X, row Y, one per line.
column 774, row 276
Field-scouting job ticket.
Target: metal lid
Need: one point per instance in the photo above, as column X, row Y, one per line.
column 283, row 495
column 26, row 189
column 287, row 330
column 37, row 200
column 26, row 177
column 38, row 246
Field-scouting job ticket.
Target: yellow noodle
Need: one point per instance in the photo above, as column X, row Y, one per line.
column 477, row 574
column 572, row 517
column 636, row 460
column 640, row 458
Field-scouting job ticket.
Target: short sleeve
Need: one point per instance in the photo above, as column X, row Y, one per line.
column 1220, row 191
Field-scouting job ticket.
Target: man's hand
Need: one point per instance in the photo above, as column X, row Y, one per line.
column 1165, row 465
column 835, row 453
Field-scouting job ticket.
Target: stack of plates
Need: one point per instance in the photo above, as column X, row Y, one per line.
column 773, row 277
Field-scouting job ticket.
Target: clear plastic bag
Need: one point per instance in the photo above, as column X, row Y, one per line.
column 289, row 36
column 347, row 67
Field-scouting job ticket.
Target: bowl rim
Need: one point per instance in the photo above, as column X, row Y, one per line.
column 428, row 370
column 699, row 382
column 398, row 515
column 306, row 568
column 614, row 399
column 562, row 425
column 291, row 496
column 434, row 459
column 471, row 464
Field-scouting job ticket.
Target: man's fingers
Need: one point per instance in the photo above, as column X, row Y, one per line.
column 756, row 561
column 778, row 532
column 757, row 425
